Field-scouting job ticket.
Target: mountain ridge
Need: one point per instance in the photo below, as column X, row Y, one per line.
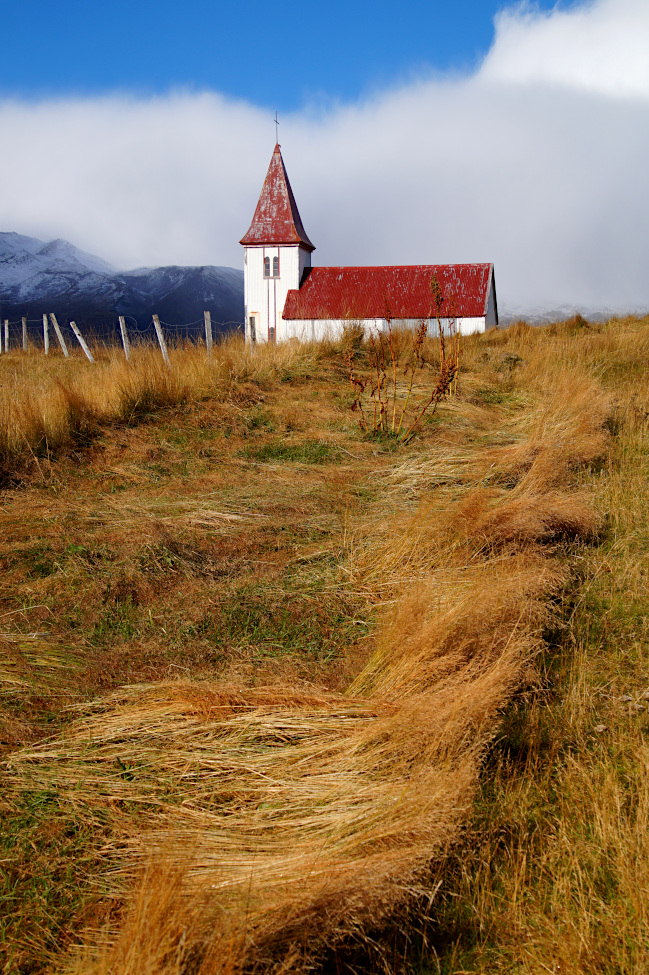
column 38, row 277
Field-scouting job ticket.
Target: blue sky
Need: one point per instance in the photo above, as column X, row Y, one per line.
column 287, row 55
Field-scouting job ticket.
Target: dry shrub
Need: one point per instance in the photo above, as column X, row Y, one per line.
column 81, row 416
column 531, row 518
column 554, row 871
column 158, row 934
column 36, row 425
column 352, row 338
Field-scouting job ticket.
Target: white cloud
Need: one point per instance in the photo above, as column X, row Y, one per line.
column 536, row 162
column 598, row 47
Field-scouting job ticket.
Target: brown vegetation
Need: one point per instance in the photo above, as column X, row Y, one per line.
column 288, row 648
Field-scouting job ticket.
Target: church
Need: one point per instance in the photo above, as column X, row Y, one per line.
column 285, row 297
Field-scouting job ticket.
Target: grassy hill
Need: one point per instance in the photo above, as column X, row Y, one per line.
column 278, row 693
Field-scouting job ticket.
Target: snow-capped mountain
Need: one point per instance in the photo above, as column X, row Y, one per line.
column 23, row 257
column 38, row 277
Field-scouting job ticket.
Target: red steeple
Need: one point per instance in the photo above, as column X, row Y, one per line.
column 277, row 219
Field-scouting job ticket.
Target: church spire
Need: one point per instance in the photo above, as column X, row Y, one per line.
column 277, row 218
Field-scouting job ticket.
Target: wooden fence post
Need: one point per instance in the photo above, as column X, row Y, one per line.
column 24, row 334
column 59, row 335
column 46, row 336
column 125, row 341
column 6, row 334
column 161, row 339
column 82, row 341
column 207, row 315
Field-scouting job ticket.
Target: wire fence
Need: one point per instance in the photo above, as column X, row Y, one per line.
column 26, row 333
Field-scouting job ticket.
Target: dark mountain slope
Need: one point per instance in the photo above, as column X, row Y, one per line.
column 38, row 277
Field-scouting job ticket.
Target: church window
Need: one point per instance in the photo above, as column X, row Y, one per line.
column 267, row 267
column 276, row 267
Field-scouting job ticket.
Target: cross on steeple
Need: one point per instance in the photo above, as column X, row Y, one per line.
column 276, row 128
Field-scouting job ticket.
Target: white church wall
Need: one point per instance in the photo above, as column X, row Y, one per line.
column 290, row 271
column 468, row 326
column 254, row 292
column 265, row 297
column 315, row 330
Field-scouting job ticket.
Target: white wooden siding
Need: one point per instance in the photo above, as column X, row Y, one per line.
column 265, row 297
column 314, row 330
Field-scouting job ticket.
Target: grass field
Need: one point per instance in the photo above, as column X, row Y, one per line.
column 277, row 694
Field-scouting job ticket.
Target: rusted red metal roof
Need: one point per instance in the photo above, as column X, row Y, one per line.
column 400, row 292
column 277, row 218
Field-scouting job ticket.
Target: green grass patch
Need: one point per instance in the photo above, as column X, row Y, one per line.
column 492, row 396
column 48, row 855
column 117, row 623
column 279, row 622
column 300, row 452
column 260, row 419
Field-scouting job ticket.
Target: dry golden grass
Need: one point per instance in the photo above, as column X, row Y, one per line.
column 50, row 403
column 241, row 825
column 251, row 818
column 552, row 871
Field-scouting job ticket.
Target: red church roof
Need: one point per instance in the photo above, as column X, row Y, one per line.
column 400, row 292
column 277, row 218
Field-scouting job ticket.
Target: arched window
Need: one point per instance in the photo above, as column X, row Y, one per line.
column 276, row 267
column 267, row 267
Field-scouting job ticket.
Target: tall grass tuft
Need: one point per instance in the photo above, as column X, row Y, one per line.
column 48, row 405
